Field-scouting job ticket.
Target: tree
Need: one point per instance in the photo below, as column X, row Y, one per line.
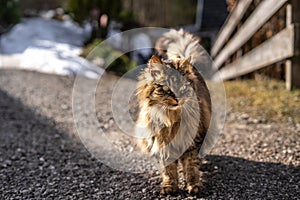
column 9, row 13
column 81, row 9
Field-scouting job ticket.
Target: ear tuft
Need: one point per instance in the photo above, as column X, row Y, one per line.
column 154, row 60
column 155, row 66
column 186, row 61
column 186, row 66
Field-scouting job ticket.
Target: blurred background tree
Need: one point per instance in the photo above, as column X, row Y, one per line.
column 166, row 13
column 9, row 13
column 33, row 7
column 82, row 10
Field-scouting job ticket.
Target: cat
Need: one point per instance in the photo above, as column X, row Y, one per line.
column 174, row 114
column 231, row 4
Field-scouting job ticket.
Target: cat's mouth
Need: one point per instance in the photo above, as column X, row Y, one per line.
column 174, row 104
column 173, row 107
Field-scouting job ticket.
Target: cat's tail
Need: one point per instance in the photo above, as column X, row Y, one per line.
column 181, row 44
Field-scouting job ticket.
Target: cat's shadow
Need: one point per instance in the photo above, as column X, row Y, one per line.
column 228, row 177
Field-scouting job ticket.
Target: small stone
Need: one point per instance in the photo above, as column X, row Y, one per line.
column 244, row 116
column 42, row 159
column 8, row 162
column 64, row 106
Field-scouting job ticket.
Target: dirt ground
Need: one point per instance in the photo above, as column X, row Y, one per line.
column 42, row 157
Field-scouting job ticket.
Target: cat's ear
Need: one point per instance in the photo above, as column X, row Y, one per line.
column 186, row 62
column 155, row 65
column 155, row 60
column 186, row 66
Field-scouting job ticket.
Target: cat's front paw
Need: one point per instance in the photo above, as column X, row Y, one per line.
column 165, row 190
column 194, row 189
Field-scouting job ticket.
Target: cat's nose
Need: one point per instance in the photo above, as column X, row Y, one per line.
column 179, row 100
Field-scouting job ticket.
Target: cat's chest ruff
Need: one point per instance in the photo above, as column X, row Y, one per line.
column 162, row 117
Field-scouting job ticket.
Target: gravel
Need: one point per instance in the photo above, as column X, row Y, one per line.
column 41, row 156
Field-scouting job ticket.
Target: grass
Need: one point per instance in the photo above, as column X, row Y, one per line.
column 264, row 98
column 116, row 60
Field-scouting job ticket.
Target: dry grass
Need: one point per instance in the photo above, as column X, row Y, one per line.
column 264, row 98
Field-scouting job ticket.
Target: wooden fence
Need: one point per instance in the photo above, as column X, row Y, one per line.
column 257, row 34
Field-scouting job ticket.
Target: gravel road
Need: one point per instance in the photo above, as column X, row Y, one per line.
column 41, row 157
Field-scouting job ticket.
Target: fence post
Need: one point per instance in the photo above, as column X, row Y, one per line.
column 293, row 64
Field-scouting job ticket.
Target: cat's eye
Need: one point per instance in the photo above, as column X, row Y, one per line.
column 165, row 88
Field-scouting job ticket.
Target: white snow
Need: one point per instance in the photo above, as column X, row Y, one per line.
column 47, row 46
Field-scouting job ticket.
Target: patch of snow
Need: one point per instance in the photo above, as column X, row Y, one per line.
column 48, row 46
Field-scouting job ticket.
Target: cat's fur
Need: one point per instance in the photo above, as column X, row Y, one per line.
column 182, row 44
column 174, row 116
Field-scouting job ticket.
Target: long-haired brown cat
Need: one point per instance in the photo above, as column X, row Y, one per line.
column 175, row 110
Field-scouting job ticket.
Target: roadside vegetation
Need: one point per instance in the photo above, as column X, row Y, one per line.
column 105, row 55
column 268, row 99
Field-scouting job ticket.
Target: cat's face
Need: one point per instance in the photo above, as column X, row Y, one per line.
column 169, row 84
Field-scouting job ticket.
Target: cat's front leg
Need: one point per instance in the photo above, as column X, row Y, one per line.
column 169, row 179
column 191, row 165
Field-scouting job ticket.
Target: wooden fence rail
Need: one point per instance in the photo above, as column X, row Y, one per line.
column 281, row 47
